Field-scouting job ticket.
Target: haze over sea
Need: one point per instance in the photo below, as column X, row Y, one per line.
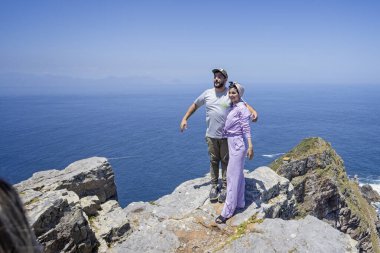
column 139, row 132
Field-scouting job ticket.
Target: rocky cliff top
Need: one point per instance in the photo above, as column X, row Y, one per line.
column 76, row 210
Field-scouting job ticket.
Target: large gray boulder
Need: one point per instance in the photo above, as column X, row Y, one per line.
column 60, row 205
column 87, row 177
column 281, row 236
column 267, row 195
column 71, row 234
column 58, row 221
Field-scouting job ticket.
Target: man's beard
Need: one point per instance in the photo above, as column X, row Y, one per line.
column 218, row 85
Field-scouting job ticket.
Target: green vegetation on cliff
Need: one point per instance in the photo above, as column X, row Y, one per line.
column 323, row 190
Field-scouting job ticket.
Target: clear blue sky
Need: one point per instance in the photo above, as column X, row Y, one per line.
column 181, row 41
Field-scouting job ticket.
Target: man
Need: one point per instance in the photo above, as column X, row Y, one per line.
column 217, row 102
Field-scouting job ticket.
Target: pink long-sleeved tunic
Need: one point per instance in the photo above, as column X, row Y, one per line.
column 237, row 122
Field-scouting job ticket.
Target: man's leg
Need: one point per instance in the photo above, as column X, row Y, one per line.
column 224, row 157
column 214, row 153
column 224, row 160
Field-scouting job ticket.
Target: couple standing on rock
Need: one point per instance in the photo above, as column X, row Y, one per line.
column 228, row 137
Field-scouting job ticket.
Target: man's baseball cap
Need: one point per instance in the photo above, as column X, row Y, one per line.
column 223, row 71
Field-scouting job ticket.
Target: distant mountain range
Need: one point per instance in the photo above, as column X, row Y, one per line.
column 31, row 84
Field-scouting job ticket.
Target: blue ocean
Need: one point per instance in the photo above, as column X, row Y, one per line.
column 139, row 132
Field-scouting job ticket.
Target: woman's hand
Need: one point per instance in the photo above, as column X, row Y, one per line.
column 250, row 152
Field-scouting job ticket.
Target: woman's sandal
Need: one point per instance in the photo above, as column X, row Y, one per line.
column 221, row 220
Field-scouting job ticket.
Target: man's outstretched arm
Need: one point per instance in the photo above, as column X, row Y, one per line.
column 193, row 107
column 253, row 112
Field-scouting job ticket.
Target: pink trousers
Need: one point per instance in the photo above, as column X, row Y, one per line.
column 235, row 177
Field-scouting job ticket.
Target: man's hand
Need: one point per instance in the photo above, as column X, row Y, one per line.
column 254, row 116
column 183, row 125
column 253, row 112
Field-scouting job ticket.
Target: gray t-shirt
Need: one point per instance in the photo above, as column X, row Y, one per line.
column 217, row 104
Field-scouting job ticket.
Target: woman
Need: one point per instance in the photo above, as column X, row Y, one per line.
column 238, row 133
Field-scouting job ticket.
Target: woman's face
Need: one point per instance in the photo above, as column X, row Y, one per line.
column 233, row 95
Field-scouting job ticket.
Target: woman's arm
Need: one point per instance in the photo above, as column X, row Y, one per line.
column 250, row 149
column 246, row 129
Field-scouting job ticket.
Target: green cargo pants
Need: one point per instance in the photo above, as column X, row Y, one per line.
column 218, row 152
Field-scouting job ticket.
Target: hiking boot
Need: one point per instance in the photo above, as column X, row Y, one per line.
column 214, row 193
column 222, row 195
